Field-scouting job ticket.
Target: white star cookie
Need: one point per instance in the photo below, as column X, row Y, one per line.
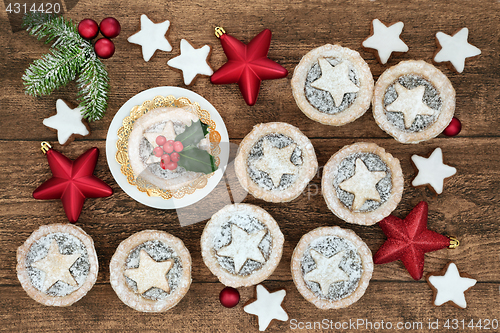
column 362, row 184
column 455, row 49
column 276, row 162
column 385, row 39
column 56, row 267
column 411, row 103
column 168, row 132
column 192, row 61
column 327, row 270
column 267, row 306
column 151, row 37
column 67, row 122
column 432, row 171
column 150, row 273
column 450, row 287
column 243, row 246
column 335, row 80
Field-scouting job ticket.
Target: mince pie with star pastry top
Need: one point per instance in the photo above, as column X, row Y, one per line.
column 362, row 184
column 57, row 265
column 275, row 162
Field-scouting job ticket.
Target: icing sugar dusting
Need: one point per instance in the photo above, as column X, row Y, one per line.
column 223, row 237
column 346, row 170
column 68, row 244
column 351, row 264
column 158, row 251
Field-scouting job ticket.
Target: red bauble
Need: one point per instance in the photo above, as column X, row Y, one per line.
column 408, row 240
column 248, row 65
column 229, row 297
column 110, row 27
column 453, row 128
column 88, row 28
column 104, row 48
column 72, row 182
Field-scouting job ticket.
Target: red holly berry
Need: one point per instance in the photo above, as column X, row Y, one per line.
column 160, row 140
column 104, row 48
column 175, row 157
column 168, row 147
column 166, row 158
column 178, row 146
column 110, row 27
column 88, row 28
column 158, row 151
column 171, row 165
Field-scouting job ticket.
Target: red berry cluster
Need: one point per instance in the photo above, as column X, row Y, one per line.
column 168, row 151
column 109, row 27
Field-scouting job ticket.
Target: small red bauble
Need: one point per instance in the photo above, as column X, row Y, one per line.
column 110, row 27
column 229, row 297
column 104, row 48
column 88, row 28
column 453, row 128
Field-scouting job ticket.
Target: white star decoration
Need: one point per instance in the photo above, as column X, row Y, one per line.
column 451, row 287
column 362, row 184
column 150, row 273
column 335, row 80
column 276, row 162
column 385, row 40
column 455, row 49
column 267, row 306
column 66, row 122
column 410, row 102
column 243, row 246
column 168, row 132
column 151, row 37
column 192, row 61
column 327, row 270
column 432, row 170
column 56, row 266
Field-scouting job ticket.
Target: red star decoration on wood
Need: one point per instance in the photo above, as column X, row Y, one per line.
column 72, row 182
column 248, row 65
column 408, row 240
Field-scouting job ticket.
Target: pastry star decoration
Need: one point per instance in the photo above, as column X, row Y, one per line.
column 150, row 273
column 411, row 103
column 432, row 170
column 335, row 80
column 192, row 61
column 409, row 240
column 451, row 287
column 56, row 266
column 243, row 246
column 276, row 161
column 327, row 270
column 66, row 122
column 168, row 132
column 151, row 37
column 267, row 306
column 455, row 49
column 385, row 40
column 362, row 184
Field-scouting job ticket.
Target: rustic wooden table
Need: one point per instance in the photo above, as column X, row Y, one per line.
column 468, row 208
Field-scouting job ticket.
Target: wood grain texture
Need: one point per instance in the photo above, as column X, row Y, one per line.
column 468, row 208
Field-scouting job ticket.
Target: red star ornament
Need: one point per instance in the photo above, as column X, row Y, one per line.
column 408, row 240
column 72, row 181
column 248, row 64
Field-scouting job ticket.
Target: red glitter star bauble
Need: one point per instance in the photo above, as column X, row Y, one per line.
column 453, row 128
column 248, row 64
column 409, row 239
column 229, row 297
column 72, row 181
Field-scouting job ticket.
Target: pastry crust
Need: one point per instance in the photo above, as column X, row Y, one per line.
column 25, row 280
column 117, row 268
column 208, row 253
column 330, row 194
column 430, row 73
column 362, row 101
column 297, row 275
column 306, row 172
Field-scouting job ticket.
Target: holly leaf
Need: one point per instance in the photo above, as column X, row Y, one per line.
column 192, row 134
column 197, row 160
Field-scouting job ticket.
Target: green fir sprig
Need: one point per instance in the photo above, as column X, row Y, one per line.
column 71, row 57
